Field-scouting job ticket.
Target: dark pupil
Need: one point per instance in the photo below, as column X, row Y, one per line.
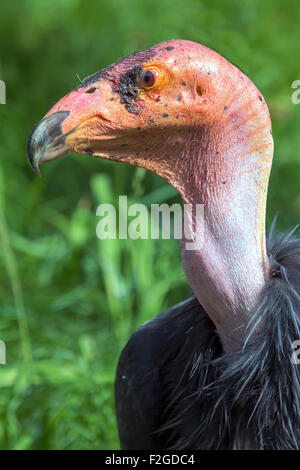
column 148, row 78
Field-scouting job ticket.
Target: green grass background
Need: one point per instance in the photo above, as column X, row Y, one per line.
column 69, row 302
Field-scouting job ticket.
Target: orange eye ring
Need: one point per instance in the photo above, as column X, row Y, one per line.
column 149, row 79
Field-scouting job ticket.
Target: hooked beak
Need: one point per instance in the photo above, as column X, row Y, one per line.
column 47, row 140
column 72, row 123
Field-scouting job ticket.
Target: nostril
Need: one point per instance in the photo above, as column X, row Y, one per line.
column 91, row 90
column 199, row 91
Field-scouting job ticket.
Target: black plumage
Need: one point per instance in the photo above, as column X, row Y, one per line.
column 176, row 388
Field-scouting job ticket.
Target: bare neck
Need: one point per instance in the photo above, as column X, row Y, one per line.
column 228, row 271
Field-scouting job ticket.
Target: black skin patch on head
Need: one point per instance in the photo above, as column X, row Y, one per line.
column 94, row 78
column 165, row 115
column 107, row 72
column 178, row 98
column 135, row 59
column 170, row 48
column 225, row 107
column 129, row 87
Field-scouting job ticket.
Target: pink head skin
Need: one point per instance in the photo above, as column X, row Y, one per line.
column 200, row 123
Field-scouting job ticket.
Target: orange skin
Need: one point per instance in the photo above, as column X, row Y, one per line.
column 205, row 128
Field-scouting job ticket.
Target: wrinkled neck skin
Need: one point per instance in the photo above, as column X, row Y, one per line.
column 229, row 268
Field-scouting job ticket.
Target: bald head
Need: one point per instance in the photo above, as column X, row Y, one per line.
column 152, row 108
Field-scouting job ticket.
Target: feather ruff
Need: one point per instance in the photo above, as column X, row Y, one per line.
column 249, row 398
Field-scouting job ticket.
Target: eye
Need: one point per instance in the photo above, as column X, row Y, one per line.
column 149, row 78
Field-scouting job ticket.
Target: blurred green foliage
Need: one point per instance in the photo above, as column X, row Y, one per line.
column 69, row 301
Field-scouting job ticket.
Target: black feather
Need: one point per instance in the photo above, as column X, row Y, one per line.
column 203, row 398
